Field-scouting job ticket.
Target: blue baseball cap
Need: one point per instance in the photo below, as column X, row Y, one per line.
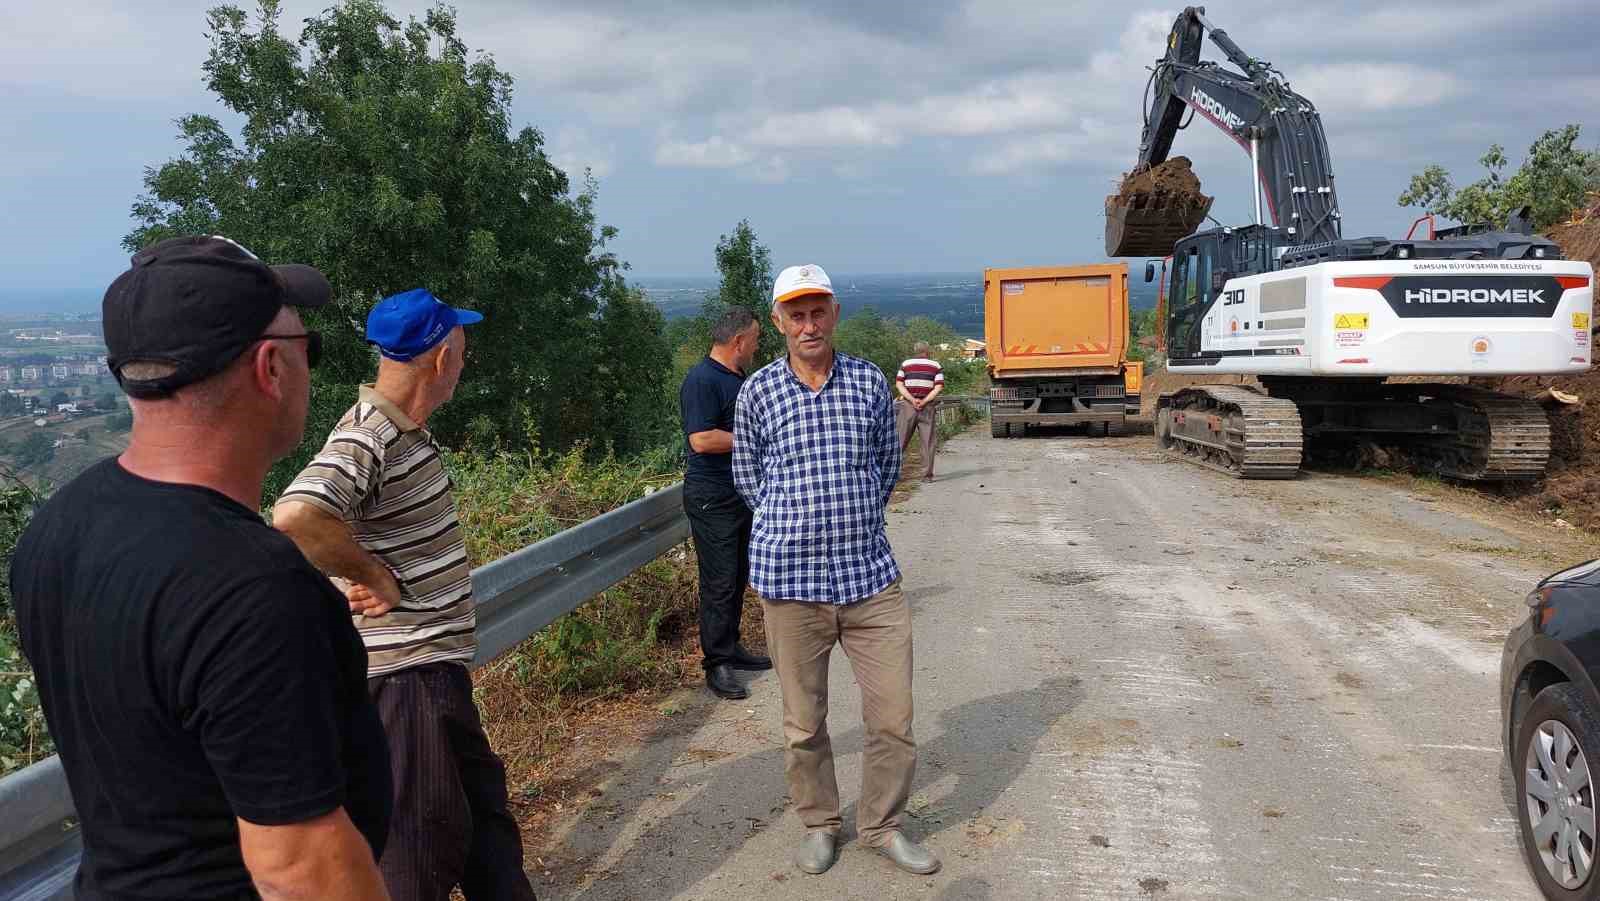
column 407, row 324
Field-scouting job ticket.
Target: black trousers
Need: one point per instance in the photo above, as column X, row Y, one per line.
column 720, row 523
column 450, row 824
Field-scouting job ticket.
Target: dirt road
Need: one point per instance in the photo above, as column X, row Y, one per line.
column 1135, row 679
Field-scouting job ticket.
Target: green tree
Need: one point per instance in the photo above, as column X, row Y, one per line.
column 632, row 328
column 108, row 401
column 1141, row 324
column 381, row 152
column 36, row 449
column 59, row 398
column 1553, row 180
column 11, row 405
column 119, row 422
column 872, row 337
column 889, row 342
column 746, row 268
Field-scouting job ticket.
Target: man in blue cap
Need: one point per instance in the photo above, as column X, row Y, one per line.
column 373, row 510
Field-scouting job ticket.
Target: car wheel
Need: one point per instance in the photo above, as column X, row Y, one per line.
column 1557, row 751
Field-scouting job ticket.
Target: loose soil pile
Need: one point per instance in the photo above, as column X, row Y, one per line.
column 1173, row 180
column 1571, row 491
column 1580, row 237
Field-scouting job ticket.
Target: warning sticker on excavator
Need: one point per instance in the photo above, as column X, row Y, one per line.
column 1350, row 320
column 1350, row 338
column 1580, row 320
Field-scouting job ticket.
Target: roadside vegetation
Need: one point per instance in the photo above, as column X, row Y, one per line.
column 382, row 152
column 568, row 406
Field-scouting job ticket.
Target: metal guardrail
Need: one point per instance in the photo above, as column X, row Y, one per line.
column 517, row 595
column 945, row 406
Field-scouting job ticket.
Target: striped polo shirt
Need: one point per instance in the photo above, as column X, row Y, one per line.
column 382, row 474
column 920, row 375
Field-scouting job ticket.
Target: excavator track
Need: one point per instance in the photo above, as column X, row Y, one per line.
column 1233, row 429
column 1499, row 437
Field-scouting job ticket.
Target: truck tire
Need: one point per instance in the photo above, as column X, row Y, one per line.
column 999, row 430
column 1099, row 429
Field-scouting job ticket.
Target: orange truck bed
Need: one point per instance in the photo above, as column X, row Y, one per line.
column 1056, row 319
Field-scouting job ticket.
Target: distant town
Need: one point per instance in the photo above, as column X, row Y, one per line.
column 52, row 364
column 60, row 408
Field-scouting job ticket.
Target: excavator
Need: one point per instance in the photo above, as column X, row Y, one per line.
column 1341, row 335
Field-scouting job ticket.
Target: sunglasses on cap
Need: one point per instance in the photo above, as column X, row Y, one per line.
column 313, row 345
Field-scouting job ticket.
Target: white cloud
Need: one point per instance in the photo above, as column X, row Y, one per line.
column 94, row 48
column 770, row 170
column 713, row 153
column 839, row 126
column 573, row 150
column 1364, row 87
column 717, row 152
column 1039, row 116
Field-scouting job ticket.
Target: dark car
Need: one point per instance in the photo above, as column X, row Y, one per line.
column 1551, row 713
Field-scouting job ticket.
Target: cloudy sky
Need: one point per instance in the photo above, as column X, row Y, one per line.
column 864, row 135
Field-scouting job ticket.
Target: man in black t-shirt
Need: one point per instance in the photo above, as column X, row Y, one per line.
column 202, row 681
column 718, row 517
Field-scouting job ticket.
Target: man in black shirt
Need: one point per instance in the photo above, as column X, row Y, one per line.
column 718, row 517
column 203, row 682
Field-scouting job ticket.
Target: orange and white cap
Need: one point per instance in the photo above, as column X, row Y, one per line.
column 800, row 281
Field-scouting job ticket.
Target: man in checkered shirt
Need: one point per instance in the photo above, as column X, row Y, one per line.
column 815, row 455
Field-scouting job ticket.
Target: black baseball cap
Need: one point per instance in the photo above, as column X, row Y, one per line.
column 196, row 303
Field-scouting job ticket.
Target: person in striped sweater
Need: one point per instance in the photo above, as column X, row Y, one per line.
column 373, row 509
column 918, row 382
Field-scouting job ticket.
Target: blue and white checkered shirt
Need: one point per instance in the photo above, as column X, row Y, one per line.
column 817, row 468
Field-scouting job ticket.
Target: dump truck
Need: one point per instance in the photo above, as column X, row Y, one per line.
column 1057, row 341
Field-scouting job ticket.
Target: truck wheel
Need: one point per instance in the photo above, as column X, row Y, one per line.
column 999, row 430
column 1116, row 427
column 1098, row 429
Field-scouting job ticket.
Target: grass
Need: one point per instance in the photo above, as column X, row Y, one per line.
column 623, row 648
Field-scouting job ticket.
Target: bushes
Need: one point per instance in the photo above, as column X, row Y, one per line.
column 890, row 342
column 630, row 638
column 23, row 737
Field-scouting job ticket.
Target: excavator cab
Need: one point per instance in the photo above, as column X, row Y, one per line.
column 1189, row 295
column 1198, row 269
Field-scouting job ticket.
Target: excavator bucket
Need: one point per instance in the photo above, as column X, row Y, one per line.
column 1148, row 226
column 1154, row 208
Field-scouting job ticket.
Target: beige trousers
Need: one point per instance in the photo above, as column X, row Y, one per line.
column 909, row 419
column 876, row 635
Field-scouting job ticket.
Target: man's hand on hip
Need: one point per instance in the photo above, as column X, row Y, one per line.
column 376, row 598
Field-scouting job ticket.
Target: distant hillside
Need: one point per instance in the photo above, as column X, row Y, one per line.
column 956, row 299
column 83, row 442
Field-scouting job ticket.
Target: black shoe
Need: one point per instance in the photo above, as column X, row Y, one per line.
column 743, row 659
column 723, row 684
